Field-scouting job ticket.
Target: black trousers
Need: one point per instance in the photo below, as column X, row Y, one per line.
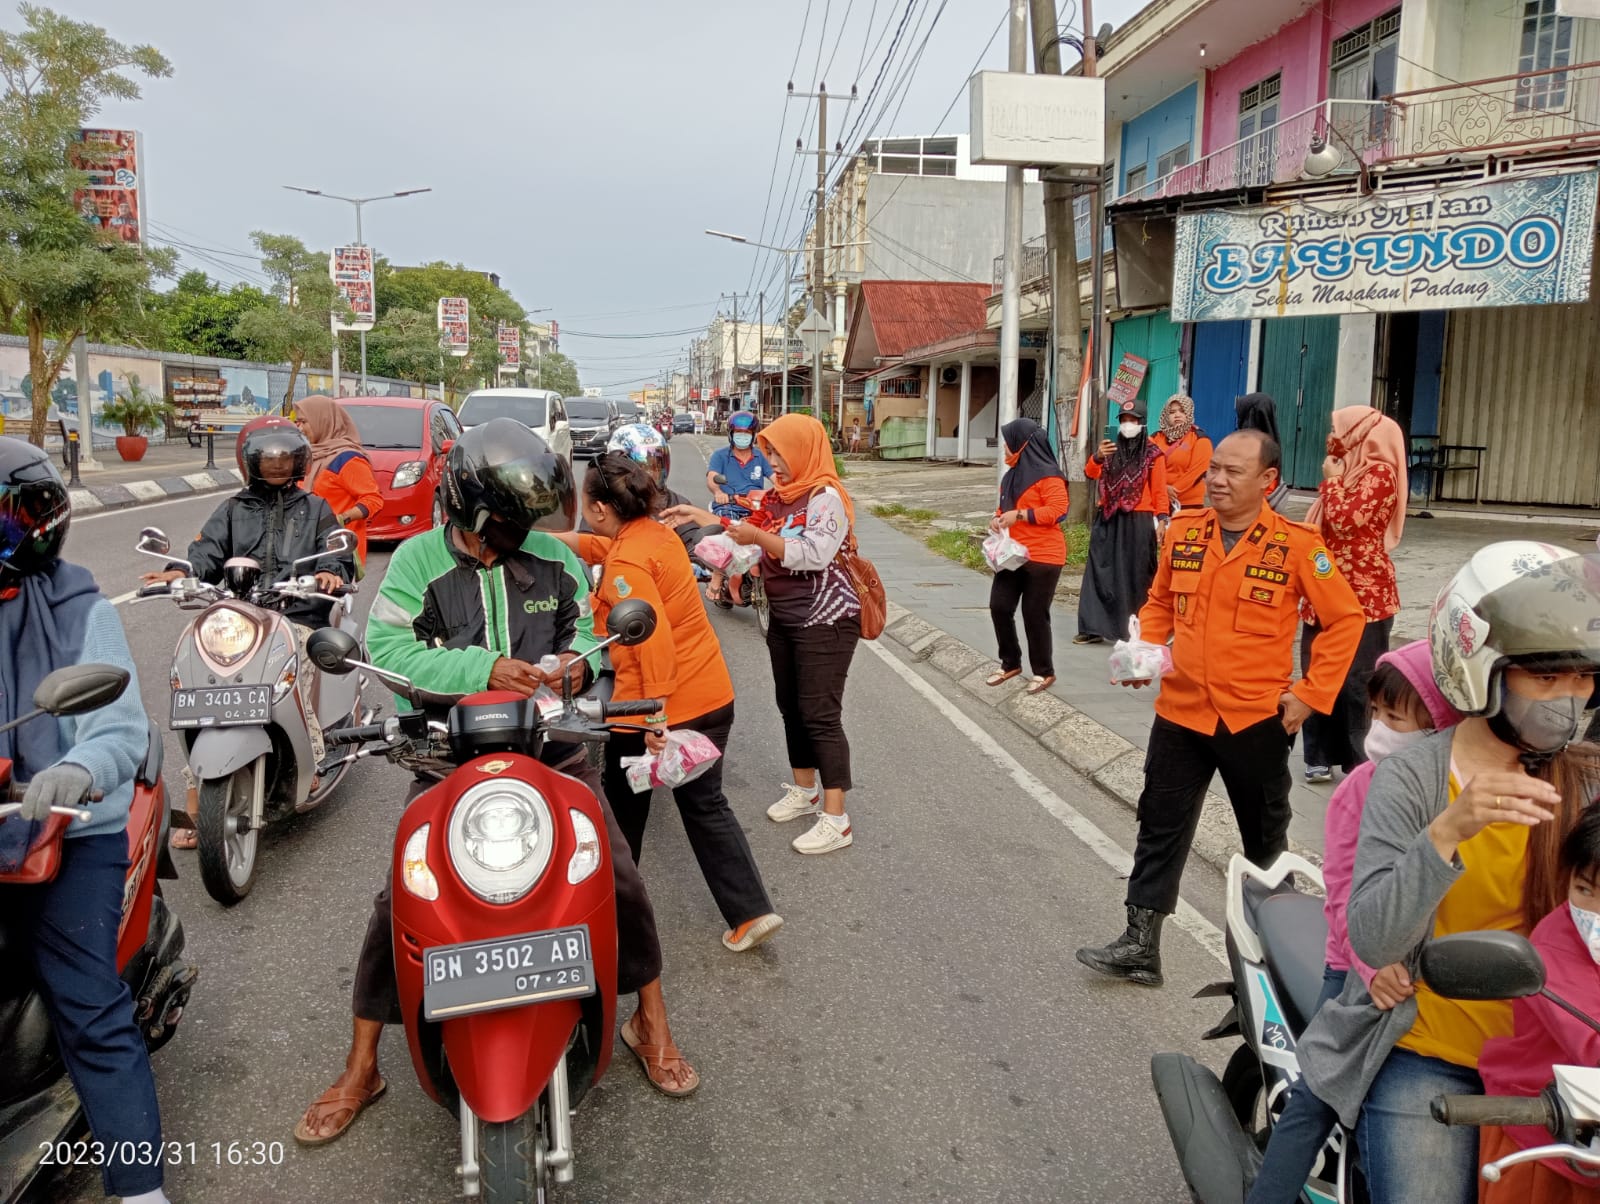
column 1254, row 764
column 719, row 843
column 1034, row 586
column 376, row 995
column 1339, row 737
column 809, row 668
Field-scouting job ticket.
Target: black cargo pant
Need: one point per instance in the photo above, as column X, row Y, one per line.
column 1254, row 764
column 376, row 994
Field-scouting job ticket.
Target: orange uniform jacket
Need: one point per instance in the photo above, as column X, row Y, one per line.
column 682, row 660
column 1042, row 506
column 1232, row 616
column 1187, row 461
column 345, row 484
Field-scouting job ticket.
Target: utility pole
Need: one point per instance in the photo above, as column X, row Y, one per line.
column 1062, row 247
column 1010, row 296
column 761, row 342
column 1099, row 419
column 819, row 234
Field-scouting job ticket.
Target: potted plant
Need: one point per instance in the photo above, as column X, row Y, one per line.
column 136, row 412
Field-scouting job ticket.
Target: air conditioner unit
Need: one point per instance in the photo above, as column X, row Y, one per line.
column 950, row 374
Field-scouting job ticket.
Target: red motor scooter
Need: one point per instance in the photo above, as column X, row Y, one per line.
column 505, row 923
column 746, row 589
column 38, row 1107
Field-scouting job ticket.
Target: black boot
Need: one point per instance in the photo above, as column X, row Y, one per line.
column 1136, row 954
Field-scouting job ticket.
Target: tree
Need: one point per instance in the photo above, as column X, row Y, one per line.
column 60, row 276
column 199, row 317
column 296, row 329
column 405, row 344
column 554, row 371
column 418, row 290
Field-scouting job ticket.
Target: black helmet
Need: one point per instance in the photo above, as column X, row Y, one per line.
column 502, row 469
column 34, row 508
column 276, row 439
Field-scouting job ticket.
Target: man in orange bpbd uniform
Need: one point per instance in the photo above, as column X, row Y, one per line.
column 1228, row 593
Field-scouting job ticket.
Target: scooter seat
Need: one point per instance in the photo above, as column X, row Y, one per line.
column 1293, row 936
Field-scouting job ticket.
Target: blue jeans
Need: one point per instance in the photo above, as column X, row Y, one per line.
column 71, row 927
column 1409, row 1156
column 1300, row 1132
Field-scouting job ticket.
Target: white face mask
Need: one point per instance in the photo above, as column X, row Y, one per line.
column 1129, row 430
column 1383, row 741
column 1588, row 925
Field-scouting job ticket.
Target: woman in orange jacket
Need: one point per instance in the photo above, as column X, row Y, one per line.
column 1187, row 450
column 1124, row 539
column 340, row 473
column 1033, row 501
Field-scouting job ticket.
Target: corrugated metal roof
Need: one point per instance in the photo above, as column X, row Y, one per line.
column 913, row 313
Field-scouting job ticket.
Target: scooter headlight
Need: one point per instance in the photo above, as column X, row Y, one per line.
column 227, row 635
column 501, row 838
column 586, row 857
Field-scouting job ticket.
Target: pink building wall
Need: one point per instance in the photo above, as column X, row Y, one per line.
column 1299, row 51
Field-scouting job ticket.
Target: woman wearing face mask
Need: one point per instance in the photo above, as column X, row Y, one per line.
column 1258, row 412
column 1461, row 832
column 1129, row 521
column 1360, row 510
column 1033, row 501
column 1188, row 453
column 1407, row 705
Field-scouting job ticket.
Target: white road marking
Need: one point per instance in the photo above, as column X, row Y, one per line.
column 145, row 491
column 1109, row 851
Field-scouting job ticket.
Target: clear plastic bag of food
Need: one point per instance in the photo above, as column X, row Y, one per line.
column 640, row 772
column 686, row 756
column 1134, row 659
column 716, row 551
column 1002, row 552
column 745, row 558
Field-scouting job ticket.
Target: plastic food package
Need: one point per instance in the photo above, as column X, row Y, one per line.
column 716, row 551
column 687, row 756
column 1002, row 552
column 1133, row 659
column 640, row 771
column 745, row 558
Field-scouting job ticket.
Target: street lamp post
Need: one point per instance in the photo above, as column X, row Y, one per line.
column 358, row 202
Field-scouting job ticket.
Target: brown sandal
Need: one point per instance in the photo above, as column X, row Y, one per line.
column 1000, row 678
column 653, row 1060
column 1041, row 684
column 339, row 1099
column 183, row 838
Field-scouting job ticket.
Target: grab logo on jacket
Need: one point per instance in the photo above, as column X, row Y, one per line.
column 541, row 606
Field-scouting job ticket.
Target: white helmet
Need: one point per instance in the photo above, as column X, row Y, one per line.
column 1517, row 602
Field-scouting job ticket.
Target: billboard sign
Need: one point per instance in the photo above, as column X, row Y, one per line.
column 1127, row 380
column 509, row 335
column 455, row 335
column 555, row 334
column 1038, row 120
column 112, row 197
column 351, row 268
column 1523, row 241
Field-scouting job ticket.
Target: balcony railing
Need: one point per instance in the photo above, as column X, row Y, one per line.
column 1035, row 265
column 1531, row 111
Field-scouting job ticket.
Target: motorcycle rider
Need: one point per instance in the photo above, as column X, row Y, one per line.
column 743, row 468
column 431, row 623
column 52, row 615
column 644, row 446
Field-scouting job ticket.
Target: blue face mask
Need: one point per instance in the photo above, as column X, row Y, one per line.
column 743, row 439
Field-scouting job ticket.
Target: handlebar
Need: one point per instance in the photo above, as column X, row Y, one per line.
column 16, row 790
column 1495, row 1110
column 354, row 735
column 642, row 706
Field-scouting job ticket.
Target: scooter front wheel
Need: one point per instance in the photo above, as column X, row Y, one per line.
column 225, row 842
column 759, row 603
column 511, row 1165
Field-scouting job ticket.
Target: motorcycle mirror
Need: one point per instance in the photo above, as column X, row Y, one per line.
column 1483, row 965
column 341, row 540
column 719, row 478
column 332, row 650
column 154, row 539
column 79, row 688
column 631, row 622
column 444, row 448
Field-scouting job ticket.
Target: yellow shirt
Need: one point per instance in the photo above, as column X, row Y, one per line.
column 1487, row 896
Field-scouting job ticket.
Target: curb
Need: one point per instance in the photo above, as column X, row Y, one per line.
column 1108, row 760
column 90, row 499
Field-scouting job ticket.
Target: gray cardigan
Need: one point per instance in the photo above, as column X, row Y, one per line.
column 1400, row 879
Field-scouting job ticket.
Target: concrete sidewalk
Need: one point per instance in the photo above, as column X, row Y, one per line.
column 167, row 470
column 940, row 612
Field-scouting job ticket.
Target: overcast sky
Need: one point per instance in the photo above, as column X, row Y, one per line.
column 577, row 149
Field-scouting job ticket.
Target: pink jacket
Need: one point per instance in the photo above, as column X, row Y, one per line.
column 1342, row 824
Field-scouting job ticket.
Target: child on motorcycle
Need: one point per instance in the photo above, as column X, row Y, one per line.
column 1405, row 706
column 1568, row 939
column 743, row 469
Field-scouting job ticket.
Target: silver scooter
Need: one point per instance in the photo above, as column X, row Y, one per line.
column 240, row 697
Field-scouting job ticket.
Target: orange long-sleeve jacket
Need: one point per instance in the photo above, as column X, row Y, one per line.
column 1187, row 461
column 345, row 484
column 1232, row 618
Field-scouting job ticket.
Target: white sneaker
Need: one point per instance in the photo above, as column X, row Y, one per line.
column 825, row 837
column 796, row 801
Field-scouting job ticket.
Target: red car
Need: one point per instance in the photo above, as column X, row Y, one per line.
column 406, row 438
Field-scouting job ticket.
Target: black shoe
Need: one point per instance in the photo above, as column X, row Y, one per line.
column 1135, row 955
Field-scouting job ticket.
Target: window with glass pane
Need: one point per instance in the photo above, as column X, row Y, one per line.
column 1546, row 46
column 1172, row 160
column 1258, row 137
column 1136, row 178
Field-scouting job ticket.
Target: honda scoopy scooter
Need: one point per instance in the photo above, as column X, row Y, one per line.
column 39, row 1110
column 505, row 928
column 240, row 705
column 747, row 589
column 1276, row 936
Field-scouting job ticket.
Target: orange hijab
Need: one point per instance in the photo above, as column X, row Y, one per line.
column 1367, row 438
column 802, row 441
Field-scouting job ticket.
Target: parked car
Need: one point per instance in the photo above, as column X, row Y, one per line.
column 406, row 439
column 542, row 411
column 683, row 424
column 591, row 422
